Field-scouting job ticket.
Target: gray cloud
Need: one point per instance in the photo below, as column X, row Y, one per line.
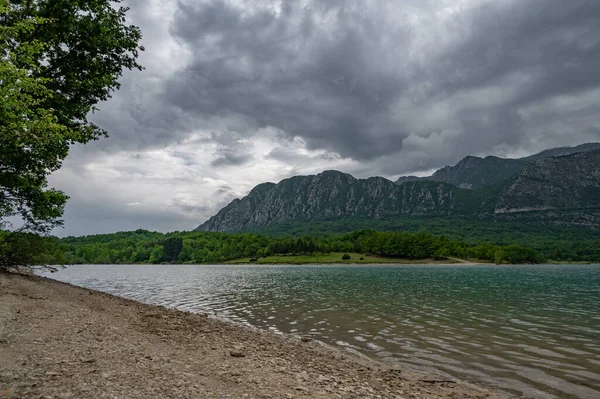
column 309, row 72
column 228, row 158
column 358, row 78
column 337, row 73
column 232, row 149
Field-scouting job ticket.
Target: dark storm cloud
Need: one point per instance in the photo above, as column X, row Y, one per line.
column 551, row 48
column 357, row 79
column 553, row 43
column 285, row 72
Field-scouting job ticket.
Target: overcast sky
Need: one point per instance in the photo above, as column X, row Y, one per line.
column 239, row 92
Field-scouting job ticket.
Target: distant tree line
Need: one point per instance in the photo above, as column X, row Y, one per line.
column 555, row 242
column 142, row 246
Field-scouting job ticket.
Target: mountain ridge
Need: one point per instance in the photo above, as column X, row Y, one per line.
column 474, row 172
column 563, row 190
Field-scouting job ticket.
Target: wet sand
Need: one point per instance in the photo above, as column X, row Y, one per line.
column 61, row 341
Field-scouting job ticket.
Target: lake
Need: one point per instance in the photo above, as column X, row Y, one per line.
column 530, row 330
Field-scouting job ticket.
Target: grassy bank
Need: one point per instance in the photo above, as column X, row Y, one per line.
column 336, row 258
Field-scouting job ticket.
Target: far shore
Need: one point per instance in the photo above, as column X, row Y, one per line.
column 62, row 341
column 400, row 262
column 336, row 258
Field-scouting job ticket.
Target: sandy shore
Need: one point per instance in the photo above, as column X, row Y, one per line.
column 60, row 341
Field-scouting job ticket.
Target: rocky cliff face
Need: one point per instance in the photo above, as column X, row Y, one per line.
column 568, row 182
column 563, row 190
column 406, row 179
column 474, row 172
column 331, row 194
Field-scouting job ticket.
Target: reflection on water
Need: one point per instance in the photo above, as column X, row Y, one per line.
column 533, row 330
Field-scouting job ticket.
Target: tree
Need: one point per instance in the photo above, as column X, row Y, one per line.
column 172, row 248
column 58, row 59
column 441, row 254
column 499, row 257
column 27, row 249
column 157, row 254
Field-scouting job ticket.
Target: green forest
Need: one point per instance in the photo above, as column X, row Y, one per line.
column 551, row 241
column 142, row 246
column 481, row 242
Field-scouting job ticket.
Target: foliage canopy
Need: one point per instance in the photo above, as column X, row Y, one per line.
column 58, row 59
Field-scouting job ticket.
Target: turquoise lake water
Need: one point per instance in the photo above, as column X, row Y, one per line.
column 530, row 330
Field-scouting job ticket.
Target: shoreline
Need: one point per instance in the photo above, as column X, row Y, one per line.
column 64, row 341
column 416, row 264
column 403, row 262
column 335, row 258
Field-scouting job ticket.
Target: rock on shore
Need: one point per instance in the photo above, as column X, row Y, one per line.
column 60, row 341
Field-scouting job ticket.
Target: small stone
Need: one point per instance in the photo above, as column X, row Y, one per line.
column 395, row 369
column 306, row 339
column 52, row 373
column 303, row 376
column 87, row 360
column 237, row 353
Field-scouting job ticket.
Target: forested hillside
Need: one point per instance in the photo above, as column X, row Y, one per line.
column 552, row 241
